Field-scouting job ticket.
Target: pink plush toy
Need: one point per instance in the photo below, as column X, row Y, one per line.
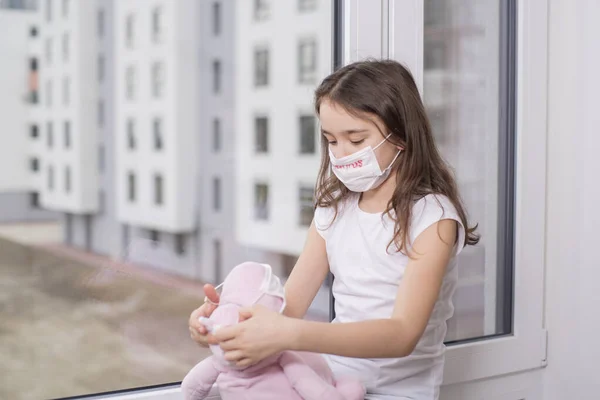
column 286, row 376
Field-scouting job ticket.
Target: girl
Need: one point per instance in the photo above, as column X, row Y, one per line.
column 388, row 224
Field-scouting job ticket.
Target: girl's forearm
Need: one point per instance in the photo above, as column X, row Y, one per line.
column 381, row 338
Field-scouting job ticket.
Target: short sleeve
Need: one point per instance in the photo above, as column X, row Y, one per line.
column 323, row 220
column 431, row 209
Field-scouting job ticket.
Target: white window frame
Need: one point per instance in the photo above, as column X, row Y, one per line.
column 400, row 37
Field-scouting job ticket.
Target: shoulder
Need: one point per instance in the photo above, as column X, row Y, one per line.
column 326, row 217
column 431, row 209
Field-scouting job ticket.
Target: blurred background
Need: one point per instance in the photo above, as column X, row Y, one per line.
column 148, row 147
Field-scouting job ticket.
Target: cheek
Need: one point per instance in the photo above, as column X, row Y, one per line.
column 385, row 157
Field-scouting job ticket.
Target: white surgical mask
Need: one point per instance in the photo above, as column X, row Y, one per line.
column 360, row 171
column 270, row 285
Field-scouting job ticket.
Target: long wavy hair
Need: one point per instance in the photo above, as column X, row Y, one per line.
column 386, row 89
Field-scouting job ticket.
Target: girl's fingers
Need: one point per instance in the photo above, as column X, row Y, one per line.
column 234, row 356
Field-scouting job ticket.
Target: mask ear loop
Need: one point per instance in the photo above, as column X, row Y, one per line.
column 207, row 300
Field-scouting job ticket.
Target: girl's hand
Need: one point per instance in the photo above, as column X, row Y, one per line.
column 262, row 334
column 198, row 332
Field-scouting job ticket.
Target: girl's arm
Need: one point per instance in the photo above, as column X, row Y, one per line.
column 416, row 297
column 307, row 276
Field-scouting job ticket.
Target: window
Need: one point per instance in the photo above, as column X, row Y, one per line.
column 218, row 260
column 307, row 202
column 33, row 31
column 307, row 5
column 216, row 18
column 158, row 190
column 261, row 67
column 67, row 133
column 67, row 180
column 131, row 142
column 101, row 202
column 261, row 9
column 157, row 128
column 65, row 8
column 100, row 22
column 34, row 200
column 130, row 83
column 49, row 10
column 33, row 80
column 180, row 244
column 49, row 51
column 50, row 134
column 129, row 31
column 261, row 201
column 308, row 134
column 216, row 125
column 50, row 178
column 307, row 61
column 216, row 69
column 157, row 24
column 34, row 131
column 217, row 193
column 100, row 113
column 155, row 237
column 158, row 79
column 66, row 91
column 49, row 94
column 101, row 158
column 261, row 128
column 34, row 164
column 101, row 67
column 131, row 187
column 65, row 47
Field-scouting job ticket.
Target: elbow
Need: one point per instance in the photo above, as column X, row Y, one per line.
column 404, row 349
column 405, row 342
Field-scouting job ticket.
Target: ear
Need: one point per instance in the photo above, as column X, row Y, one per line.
column 400, row 148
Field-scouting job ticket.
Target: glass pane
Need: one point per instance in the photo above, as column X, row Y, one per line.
column 465, row 93
column 174, row 171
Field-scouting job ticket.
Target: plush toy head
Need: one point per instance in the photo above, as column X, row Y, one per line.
column 248, row 284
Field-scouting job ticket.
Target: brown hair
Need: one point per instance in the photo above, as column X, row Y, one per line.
column 387, row 89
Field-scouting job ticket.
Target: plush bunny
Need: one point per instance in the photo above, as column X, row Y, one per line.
column 289, row 375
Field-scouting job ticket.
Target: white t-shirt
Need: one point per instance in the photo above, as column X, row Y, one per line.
column 365, row 286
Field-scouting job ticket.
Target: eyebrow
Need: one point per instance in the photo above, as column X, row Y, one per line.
column 348, row 132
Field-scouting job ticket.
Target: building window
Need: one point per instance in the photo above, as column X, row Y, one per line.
column 131, row 187
column 49, row 51
column 100, row 113
column 261, row 67
column 50, row 134
column 50, row 178
column 66, row 91
column 261, row 201
column 158, row 190
column 65, row 47
column 216, row 135
column 261, row 9
column 158, row 79
column 49, row 10
column 34, row 131
column 100, row 22
column 65, row 8
column 33, row 31
column 307, row 5
column 49, row 94
column 131, row 142
column 101, row 158
column 130, row 83
column 180, row 244
column 101, row 202
column 67, row 180
column 33, row 80
column 157, row 24
column 155, row 237
column 129, row 30
column 157, row 128
column 218, row 260
column 308, row 135
column 34, row 164
column 307, row 61
column 216, row 18
column 101, row 66
column 67, row 132
column 216, row 68
column 217, row 194
column 261, row 134
column 306, row 200
column 34, row 199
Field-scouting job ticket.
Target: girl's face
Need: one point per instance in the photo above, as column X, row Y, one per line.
column 348, row 134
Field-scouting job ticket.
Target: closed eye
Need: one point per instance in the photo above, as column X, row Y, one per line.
column 358, row 142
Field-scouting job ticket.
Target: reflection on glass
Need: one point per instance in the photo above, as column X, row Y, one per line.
column 461, row 93
column 166, row 119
